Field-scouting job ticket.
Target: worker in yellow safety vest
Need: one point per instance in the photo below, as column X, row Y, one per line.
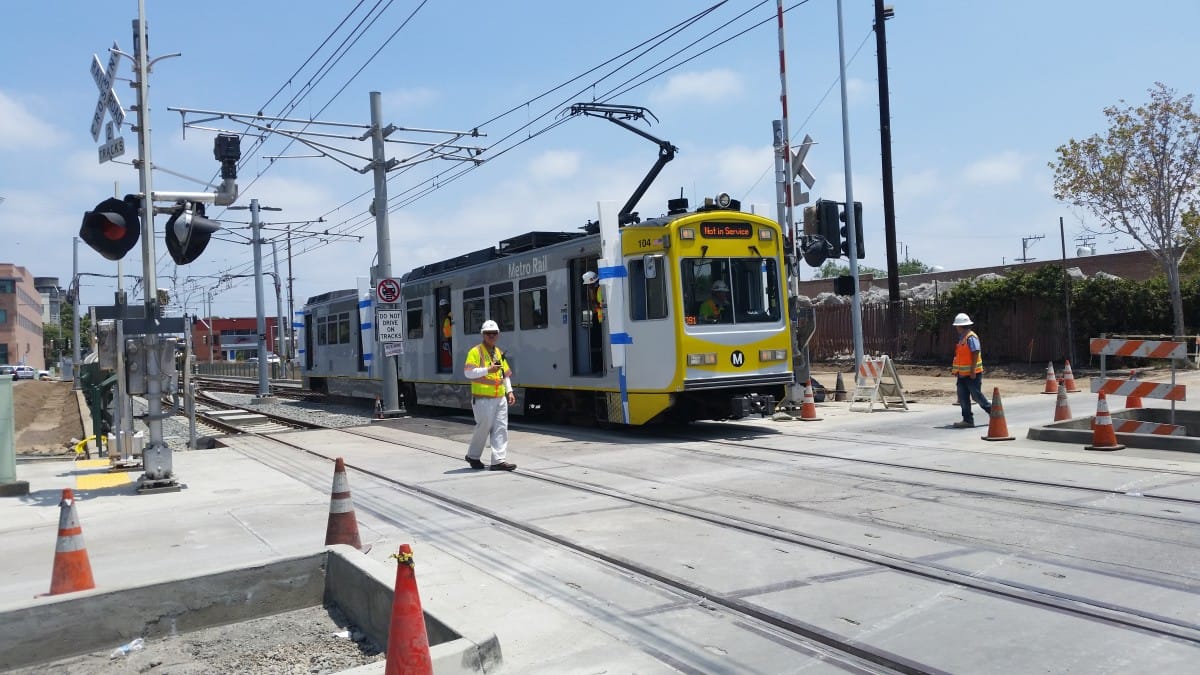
column 491, row 394
column 591, row 281
column 968, row 369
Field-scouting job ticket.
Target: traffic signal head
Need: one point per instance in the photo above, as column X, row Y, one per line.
column 188, row 232
column 827, row 223
column 113, row 227
column 859, row 245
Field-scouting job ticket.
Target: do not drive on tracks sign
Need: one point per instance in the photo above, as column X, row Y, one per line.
column 387, row 290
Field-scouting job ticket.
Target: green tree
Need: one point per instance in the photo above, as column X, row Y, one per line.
column 833, row 268
column 913, row 266
column 1140, row 178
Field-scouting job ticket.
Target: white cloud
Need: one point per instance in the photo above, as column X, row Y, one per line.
column 1005, row 167
column 713, row 85
column 21, row 129
column 554, row 165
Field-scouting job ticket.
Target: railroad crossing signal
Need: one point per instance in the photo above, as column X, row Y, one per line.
column 103, row 77
column 188, row 232
column 113, row 227
column 801, row 172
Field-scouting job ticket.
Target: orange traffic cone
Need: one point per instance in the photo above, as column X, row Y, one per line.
column 808, row 407
column 1062, row 409
column 1103, row 435
column 343, row 526
column 1051, row 381
column 1133, row 401
column 407, row 642
column 72, row 571
column 1069, row 379
column 997, row 426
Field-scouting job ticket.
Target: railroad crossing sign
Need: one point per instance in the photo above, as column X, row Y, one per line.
column 388, row 290
column 108, row 101
column 801, row 172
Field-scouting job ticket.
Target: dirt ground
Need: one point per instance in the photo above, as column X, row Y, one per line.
column 45, row 417
column 925, row 382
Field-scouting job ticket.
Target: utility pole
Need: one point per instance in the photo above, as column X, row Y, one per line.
column 1066, row 291
column 291, row 330
column 882, row 14
column 1025, row 241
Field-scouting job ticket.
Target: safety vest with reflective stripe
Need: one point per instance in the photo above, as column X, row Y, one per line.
column 963, row 364
column 492, row 384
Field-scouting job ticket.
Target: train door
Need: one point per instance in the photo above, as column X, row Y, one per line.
column 309, row 350
column 587, row 331
column 445, row 330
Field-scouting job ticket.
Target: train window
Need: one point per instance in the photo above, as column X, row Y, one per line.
column 647, row 290
column 343, row 328
column 533, row 308
column 730, row 290
column 473, row 310
column 413, row 319
column 500, row 305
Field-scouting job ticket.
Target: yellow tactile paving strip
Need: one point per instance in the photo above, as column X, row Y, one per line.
column 97, row 480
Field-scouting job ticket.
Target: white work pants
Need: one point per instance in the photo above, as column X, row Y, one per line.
column 491, row 424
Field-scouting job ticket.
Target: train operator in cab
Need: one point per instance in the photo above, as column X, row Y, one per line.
column 491, row 394
column 716, row 308
column 591, row 282
column 445, row 345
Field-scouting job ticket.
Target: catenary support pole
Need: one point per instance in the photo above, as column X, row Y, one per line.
column 280, row 328
column 264, row 390
column 391, row 387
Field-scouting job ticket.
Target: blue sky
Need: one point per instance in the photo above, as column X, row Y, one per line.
column 981, row 95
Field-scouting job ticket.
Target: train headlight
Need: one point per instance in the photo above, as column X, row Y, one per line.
column 709, row 359
column 772, row 354
column 687, row 233
column 765, row 234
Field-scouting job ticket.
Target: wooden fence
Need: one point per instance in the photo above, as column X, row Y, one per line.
column 1027, row 331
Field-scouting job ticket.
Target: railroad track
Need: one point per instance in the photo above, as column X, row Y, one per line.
column 233, row 419
column 1043, row 598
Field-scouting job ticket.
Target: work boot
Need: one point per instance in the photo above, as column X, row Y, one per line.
column 963, row 425
column 503, row 466
column 475, row 463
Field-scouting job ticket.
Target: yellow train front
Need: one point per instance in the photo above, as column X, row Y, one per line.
column 689, row 323
column 708, row 331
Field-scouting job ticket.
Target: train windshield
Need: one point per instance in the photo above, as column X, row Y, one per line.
column 730, row 290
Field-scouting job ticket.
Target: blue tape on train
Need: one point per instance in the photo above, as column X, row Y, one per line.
column 367, row 356
column 367, row 325
column 364, row 303
column 613, row 272
column 621, row 339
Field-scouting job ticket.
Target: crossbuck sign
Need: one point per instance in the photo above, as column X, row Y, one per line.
column 108, row 101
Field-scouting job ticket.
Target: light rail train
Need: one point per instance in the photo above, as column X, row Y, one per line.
column 693, row 321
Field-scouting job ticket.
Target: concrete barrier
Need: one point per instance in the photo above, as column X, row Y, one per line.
column 52, row 628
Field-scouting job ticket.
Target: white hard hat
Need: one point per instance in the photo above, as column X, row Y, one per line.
column 719, row 285
column 590, row 277
column 963, row 320
column 443, row 302
column 489, row 326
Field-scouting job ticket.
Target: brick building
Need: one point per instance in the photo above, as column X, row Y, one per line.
column 20, row 318
column 230, row 339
